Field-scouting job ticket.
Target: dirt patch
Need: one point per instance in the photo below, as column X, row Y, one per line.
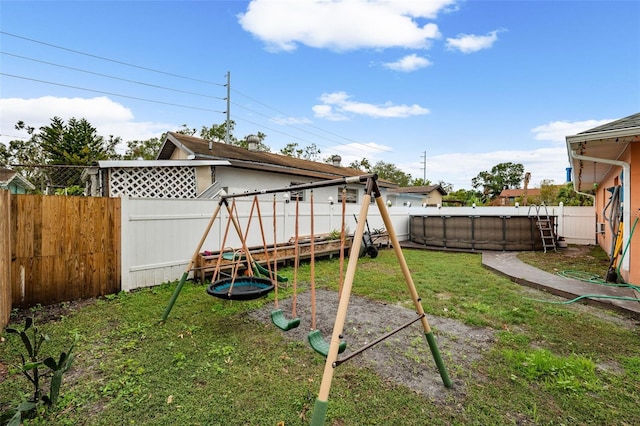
column 403, row 358
column 48, row 313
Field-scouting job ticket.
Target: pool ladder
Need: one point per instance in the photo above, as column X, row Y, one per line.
column 543, row 222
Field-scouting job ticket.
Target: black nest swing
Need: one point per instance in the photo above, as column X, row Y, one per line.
column 240, row 288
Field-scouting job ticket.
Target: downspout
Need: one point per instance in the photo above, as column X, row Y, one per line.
column 626, row 195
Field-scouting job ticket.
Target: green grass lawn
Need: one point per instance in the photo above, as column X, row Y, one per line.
column 210, row 364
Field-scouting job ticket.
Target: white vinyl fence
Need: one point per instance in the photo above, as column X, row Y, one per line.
column 159, row 236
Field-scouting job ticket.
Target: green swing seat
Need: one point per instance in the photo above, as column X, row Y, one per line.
column 278, row 318
column 319, row 345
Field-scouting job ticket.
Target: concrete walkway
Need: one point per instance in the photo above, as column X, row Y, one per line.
column 508, row 264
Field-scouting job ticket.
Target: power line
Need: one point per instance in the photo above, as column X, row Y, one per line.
column 109, row 76
column 110, row 60
column 108, row 93
column 14, row 137
column 352, row 141
column 310, row 125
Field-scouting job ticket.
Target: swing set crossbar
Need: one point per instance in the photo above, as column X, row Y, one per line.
column 302, row 186
column 378, row 340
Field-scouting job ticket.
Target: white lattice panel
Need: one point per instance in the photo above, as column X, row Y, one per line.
column 153, row 182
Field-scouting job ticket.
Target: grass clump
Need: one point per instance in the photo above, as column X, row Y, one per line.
column 571, row 373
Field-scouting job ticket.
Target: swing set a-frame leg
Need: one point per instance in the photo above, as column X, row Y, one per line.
column 183, row 279
column 321, row 404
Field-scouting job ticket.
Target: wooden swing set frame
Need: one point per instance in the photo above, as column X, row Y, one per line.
column 332, row 361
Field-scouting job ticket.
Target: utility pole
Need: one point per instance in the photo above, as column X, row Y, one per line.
column 424, row 166
column 226, row 136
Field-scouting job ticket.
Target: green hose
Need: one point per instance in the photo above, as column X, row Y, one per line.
column 635, row 222
column 586, row 296
column 594, row 279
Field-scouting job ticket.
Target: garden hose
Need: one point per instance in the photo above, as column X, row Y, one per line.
column 593, row 279
column 586, row 296
column 626, row 247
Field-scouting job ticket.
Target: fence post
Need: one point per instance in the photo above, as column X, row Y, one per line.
column 5, row 258
column 125, row 244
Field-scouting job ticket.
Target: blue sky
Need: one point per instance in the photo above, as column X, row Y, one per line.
column 471, row 83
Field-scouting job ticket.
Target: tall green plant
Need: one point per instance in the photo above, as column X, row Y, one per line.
column 35, row 368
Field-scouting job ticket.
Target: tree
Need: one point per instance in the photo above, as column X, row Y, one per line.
column 261, row 145
column 502, row 176
column 462, row 197
column 363, row 165
column 24, row 151
column 291, row 150
column 4, row 154
column 569, row 197
column 548, row 192
column 74, row 143
column 448, row 187
column 390, row 172
column 218, row 132
column 143, row 150
column 420, row 182
column 185, row 130
column 309, row 152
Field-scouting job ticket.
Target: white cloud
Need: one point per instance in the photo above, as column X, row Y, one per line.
column 107, row 116
column 290, row 120
column 543, row 163
column 469, row 43
column 327, row 112
column 557, row 131
column 408, row 63
column 355, row 151
column 343, row 24
column 338, row 106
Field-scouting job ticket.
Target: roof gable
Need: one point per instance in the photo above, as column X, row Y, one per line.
column 8, row 176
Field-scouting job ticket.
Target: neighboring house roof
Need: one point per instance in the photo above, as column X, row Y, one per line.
column 418, row 190
column 519, row 192
column 201, row 149
column 608, row 142
column 624, row 123
column 8, row 176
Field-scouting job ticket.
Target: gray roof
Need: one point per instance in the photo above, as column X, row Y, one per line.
column 420, row 190
column 237, row 156
column 624, row 123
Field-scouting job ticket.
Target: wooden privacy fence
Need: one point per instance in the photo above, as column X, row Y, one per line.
column 63, row 248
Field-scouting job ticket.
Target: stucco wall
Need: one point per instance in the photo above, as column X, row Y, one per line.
column 631, row 156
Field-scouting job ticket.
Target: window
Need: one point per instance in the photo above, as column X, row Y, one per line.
column 297, row 195
column 351, row 195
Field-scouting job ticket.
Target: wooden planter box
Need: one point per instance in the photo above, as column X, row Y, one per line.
column 207, row 261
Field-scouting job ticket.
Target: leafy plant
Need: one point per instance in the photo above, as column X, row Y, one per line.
column 334, row 234
column 32, row 368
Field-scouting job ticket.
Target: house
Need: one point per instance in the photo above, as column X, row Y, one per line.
column 426, row 196
column 191, row 167
column 508, row 197
column 606, row 160
column 14, row 182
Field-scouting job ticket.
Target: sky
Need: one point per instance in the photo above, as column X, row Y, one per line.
column 440, row 88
